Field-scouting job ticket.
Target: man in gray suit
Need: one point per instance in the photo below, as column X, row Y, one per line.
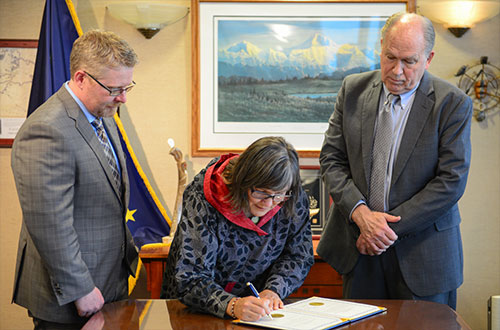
column 75, row 252
column 404, row 244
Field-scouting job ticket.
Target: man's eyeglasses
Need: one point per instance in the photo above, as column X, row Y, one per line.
column 115, row 91
column 277, row 198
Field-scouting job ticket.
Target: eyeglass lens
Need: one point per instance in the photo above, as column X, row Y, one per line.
column 118, row 91
column 278, row 198
column 112, row 91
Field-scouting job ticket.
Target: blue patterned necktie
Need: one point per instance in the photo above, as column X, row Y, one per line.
column 97, row 123
column 380, row 155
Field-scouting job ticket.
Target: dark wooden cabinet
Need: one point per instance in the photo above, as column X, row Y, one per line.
column 322, row 280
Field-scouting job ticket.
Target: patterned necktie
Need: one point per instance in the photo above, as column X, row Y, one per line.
column 97, row 123
column 380, row 155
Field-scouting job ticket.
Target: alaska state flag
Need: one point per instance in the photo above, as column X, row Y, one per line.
column 60, row 28
column 147, row 220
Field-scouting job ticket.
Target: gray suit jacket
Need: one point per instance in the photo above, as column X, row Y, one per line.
column 429, row 177
column 73, row 235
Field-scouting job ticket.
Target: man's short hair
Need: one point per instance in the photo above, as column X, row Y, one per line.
column 97, row 50
column 427, row 28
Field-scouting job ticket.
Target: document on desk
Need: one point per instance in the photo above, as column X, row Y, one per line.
column 316, row 313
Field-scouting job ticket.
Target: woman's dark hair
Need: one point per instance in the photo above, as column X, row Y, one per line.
column 268, row 163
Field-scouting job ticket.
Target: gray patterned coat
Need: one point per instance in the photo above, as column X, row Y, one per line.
column 210, row 254
column 73, row 237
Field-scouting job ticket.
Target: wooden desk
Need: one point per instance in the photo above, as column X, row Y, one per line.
column 154, row 260
column 172, row 314
column 322, row 280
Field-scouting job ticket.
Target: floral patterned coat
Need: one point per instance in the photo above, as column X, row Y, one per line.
column 211, row 259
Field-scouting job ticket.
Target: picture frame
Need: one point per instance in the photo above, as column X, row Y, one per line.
column 246, row 85
column 17, row 62
column 319, row 198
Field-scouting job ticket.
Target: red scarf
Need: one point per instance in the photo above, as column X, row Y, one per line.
column 216, row 193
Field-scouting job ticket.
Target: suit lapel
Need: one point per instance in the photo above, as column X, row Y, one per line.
column 420, row 110
column 368, row 117
column 85, row 129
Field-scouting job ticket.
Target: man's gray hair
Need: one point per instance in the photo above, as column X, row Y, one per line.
column 427, row 28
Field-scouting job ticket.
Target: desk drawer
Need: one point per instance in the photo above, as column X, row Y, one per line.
column 328, row 291
column 322, row 273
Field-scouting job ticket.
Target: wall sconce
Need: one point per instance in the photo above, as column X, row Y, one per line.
column 148, row 18
column 458, row 16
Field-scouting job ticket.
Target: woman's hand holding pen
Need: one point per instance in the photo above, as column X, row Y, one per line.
column 276, row 302
column 251, row 308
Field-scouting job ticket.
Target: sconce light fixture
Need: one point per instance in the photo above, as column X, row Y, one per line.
column 458, row 16
column 148, row 18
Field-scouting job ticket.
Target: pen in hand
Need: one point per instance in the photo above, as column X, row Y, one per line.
column 256, row 294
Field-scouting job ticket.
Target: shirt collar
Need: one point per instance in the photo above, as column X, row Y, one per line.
column 405, row 97
column 90, row 117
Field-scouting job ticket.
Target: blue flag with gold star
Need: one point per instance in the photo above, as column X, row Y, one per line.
column 60, row 28
column 146, row 219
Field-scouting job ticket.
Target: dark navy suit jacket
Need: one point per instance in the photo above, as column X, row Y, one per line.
column 429, row 177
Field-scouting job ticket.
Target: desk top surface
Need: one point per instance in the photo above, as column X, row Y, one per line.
column 172, row 314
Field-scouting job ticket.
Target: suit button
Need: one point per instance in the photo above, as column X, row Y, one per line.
column 57, row 289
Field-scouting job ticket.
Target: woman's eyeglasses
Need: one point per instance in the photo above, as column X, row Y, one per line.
column 277, row 198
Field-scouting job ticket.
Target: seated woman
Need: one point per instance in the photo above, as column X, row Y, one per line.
column 244, row 219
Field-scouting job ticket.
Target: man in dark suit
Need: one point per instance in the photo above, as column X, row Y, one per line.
column 75, row 251
column 403, row 240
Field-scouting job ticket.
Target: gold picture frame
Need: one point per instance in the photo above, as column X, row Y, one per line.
column 212, row 136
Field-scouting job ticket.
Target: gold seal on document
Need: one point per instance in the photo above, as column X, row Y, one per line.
column 316, row 303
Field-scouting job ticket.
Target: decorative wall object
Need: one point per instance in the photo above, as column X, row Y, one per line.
column 319, row 199
column 147, row 18
column 458, row 16
column 481, row 82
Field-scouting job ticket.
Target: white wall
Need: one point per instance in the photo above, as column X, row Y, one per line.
column 480, row 205
column 159, row 107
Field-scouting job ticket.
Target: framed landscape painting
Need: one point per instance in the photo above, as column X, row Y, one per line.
column 274, row 68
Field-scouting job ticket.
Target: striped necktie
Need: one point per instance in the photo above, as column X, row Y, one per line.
column 97, row 123
column 380, row 155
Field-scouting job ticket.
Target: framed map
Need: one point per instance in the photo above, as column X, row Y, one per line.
column 17, row 62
